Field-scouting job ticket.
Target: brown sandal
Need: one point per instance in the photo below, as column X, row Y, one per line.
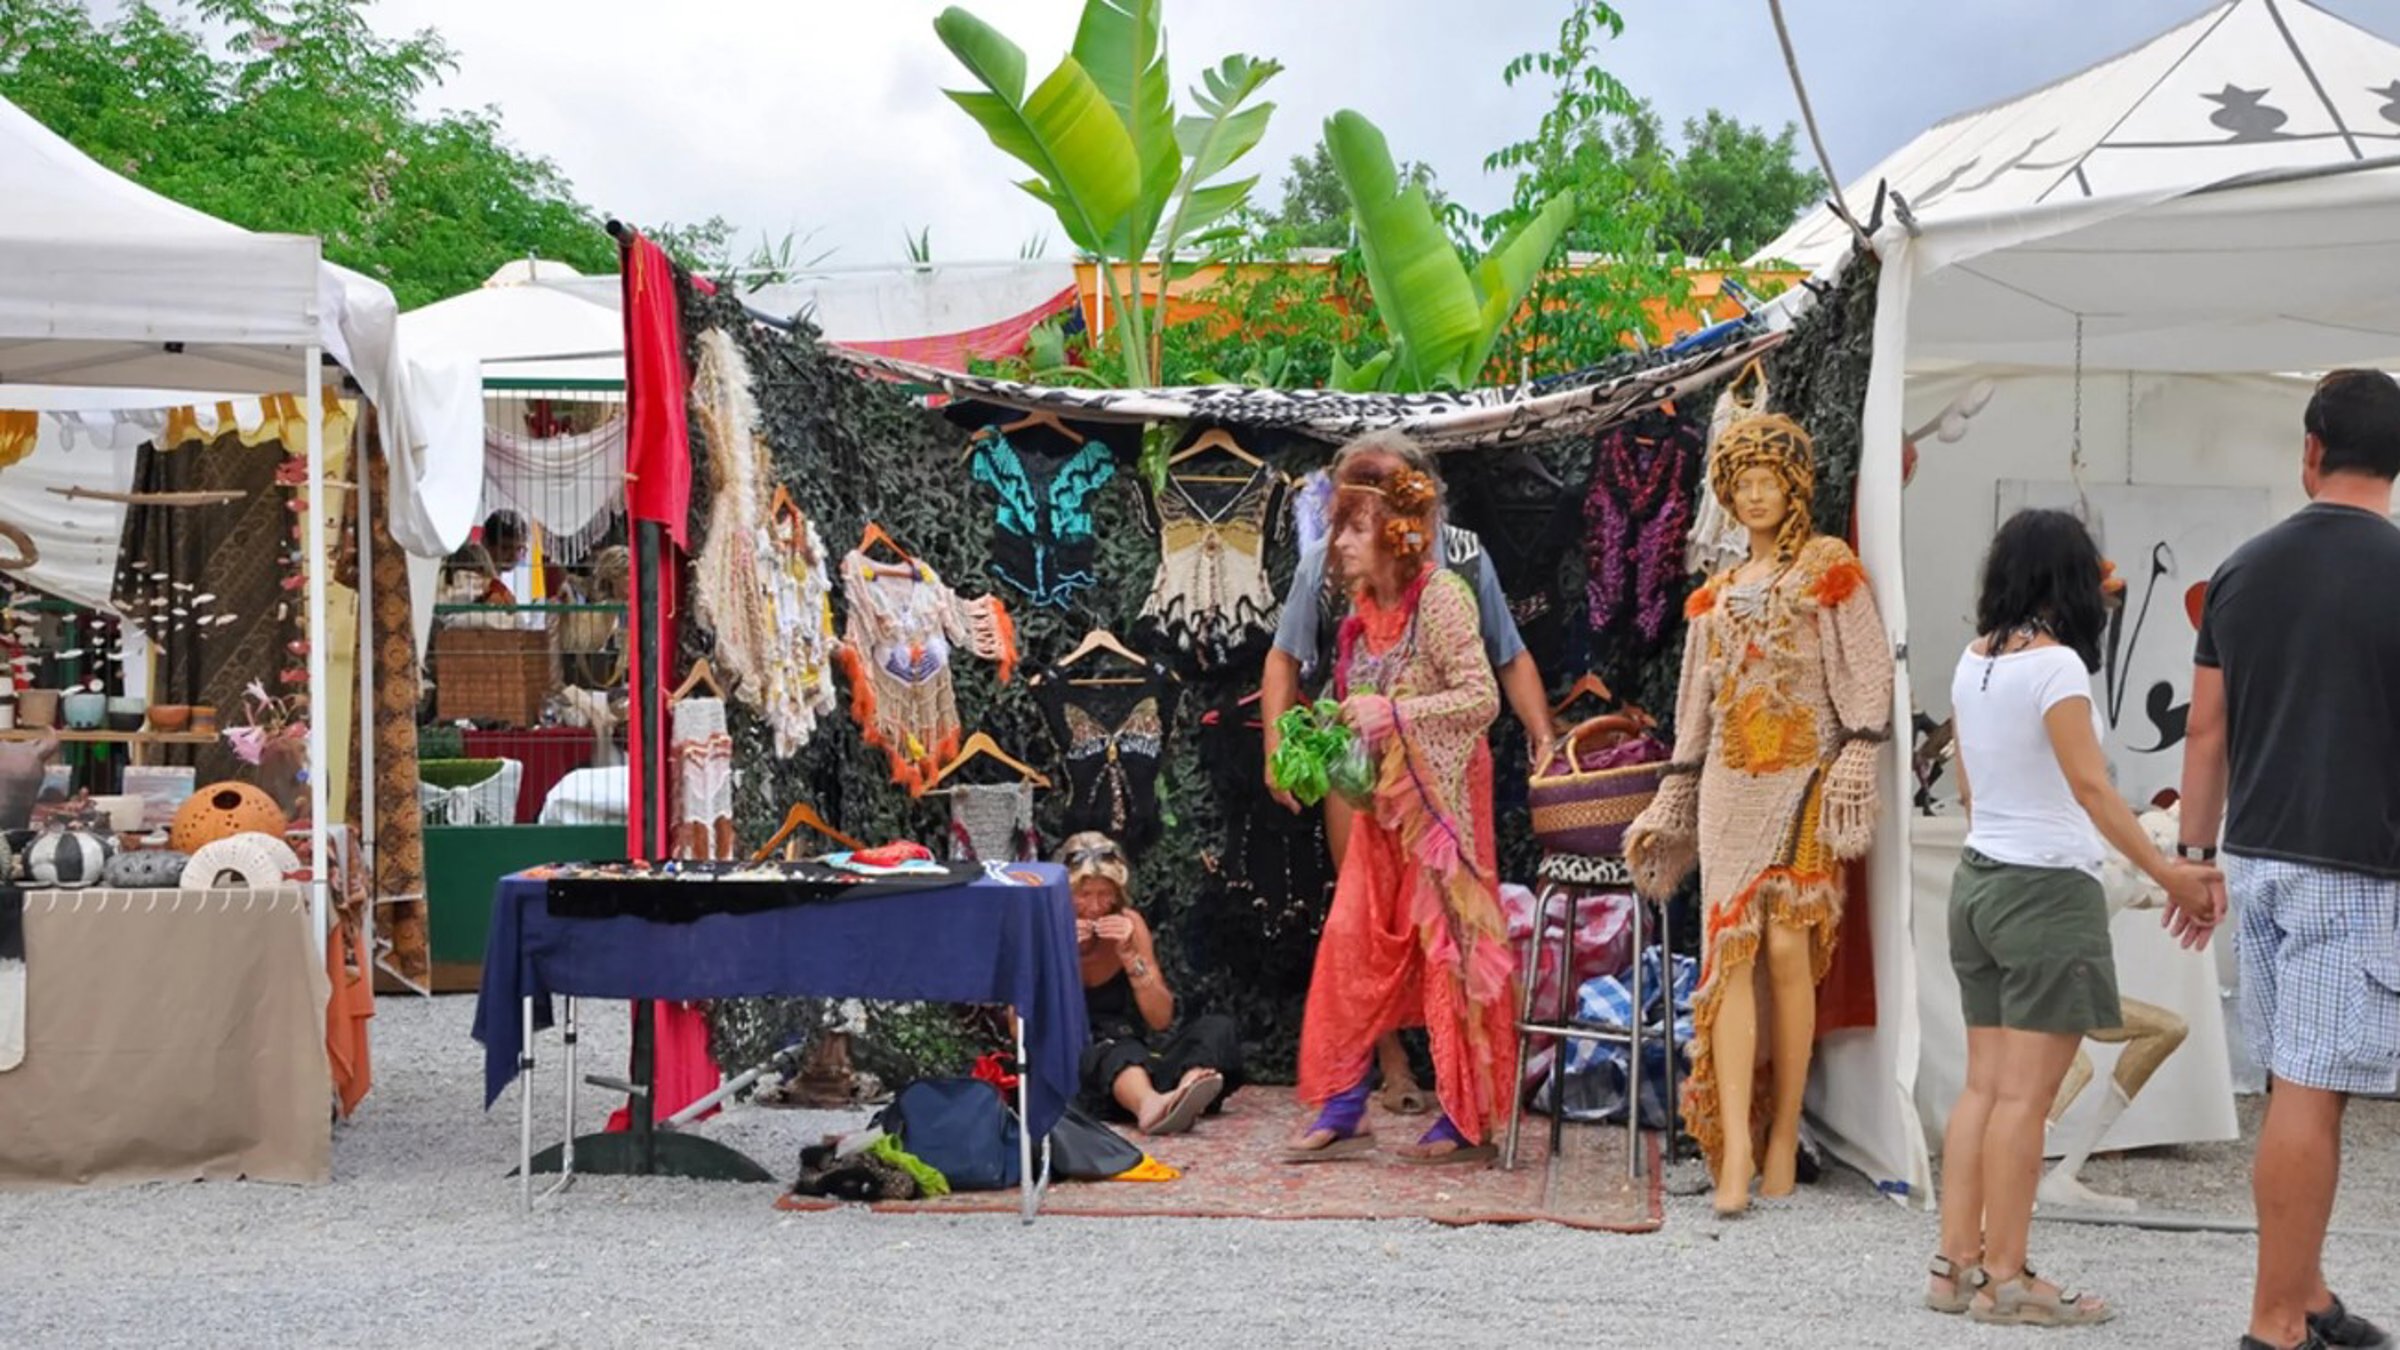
column 2015, row 1302
column 1964, row 1282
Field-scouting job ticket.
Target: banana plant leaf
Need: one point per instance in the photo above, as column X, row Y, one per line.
column 1421, row 289
column 1086, row 167
column 1119, row 44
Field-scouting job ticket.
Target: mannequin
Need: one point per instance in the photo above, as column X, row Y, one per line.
column 2150, row 1035
column 1785, row 704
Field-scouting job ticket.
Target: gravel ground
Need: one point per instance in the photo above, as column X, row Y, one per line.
column 417, row 1243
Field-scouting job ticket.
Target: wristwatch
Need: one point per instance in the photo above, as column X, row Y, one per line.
column 2196, row 853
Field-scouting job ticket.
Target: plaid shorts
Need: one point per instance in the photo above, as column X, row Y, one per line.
column 2320, row 970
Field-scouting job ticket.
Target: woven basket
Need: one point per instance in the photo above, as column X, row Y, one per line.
column 493, row 675
column 1583, row 808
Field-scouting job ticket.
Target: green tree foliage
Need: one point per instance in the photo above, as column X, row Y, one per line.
column 1729, row 189
column 1315, row 212
column 297, row 117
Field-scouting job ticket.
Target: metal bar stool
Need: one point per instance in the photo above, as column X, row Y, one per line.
column 1572, row 877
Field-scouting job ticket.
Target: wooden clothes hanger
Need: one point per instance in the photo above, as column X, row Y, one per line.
column 981, row 744
column 1042, row 417
column 804, row 814
column 701, row 673
column 1590, row 686
column 876, row 534
column 1216, row 438
column 1102, row 640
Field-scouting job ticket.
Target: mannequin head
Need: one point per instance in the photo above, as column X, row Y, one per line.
column 1763, row 473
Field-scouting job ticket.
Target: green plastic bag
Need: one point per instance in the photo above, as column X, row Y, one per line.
column 1311, row 741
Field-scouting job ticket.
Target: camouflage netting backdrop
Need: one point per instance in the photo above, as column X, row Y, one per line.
column 852, row 452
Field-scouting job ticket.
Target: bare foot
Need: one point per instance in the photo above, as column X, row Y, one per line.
column 1175, row 1112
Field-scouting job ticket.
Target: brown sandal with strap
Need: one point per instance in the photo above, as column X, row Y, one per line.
column 2016, row 1302
column 1964, row 1282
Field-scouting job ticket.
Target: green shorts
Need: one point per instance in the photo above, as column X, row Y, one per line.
column 2031, row 948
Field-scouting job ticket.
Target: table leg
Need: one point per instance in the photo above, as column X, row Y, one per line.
column 566, row 1156
column 1028, row 1195
column 525, row 1113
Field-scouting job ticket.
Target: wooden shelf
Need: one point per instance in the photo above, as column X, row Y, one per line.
column 115, row 737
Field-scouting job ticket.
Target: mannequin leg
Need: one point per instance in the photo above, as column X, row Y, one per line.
column 2079, row 1077
column 1733, row 1045
column 1795, row 1031
column 2150, row 1034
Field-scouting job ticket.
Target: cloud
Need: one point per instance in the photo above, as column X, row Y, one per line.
column 826, row 116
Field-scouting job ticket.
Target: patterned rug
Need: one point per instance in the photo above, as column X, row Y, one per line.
column 1230, row 1172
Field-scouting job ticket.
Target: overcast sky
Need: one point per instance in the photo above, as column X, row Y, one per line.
column 827, row 116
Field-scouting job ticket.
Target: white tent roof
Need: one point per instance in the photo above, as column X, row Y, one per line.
column 2245, row 87
column 2292, row 273
column 521, row 331
column 112, row 285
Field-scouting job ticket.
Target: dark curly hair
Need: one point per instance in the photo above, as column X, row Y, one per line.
column 2044, row 572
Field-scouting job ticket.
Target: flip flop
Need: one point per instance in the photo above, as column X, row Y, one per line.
column 1185, row 1105
column 1344, row 1147
column 1457, row 1156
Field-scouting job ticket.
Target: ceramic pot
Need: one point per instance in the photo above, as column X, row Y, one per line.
column 126, row 714
column 221, row 811
column 84, row 710
column 37, row 709
column 170, row 717
column 204, row 719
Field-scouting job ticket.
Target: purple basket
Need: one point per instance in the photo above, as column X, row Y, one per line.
column 1586, row 797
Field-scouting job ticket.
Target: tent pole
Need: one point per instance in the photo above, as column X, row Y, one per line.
column 319, row 777
column 363, row 648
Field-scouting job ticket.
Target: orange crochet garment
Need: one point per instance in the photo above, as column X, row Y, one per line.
column 1786, row 696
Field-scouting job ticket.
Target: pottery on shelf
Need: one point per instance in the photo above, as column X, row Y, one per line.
column 85, row 710
column 37, row 709
column 204, row 719
column 170, row 717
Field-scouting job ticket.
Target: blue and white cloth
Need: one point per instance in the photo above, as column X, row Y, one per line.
column 1596, row 1072
column 2320, row 970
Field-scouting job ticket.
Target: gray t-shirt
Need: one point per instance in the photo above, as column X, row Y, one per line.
column 1312, row 612
column 2302, row 623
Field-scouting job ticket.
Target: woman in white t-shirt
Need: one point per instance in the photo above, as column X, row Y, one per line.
column 2028, row 921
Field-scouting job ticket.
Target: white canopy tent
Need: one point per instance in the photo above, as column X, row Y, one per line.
column 113, row 286
column 2130, row 342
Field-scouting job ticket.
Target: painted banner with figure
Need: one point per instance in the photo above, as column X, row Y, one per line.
column 2166, row 541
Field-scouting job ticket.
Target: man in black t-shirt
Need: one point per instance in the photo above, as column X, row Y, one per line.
column 2295, row 749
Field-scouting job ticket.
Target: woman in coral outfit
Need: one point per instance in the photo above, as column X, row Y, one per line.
column 1415, row 936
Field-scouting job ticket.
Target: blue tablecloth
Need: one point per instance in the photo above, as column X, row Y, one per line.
column 989, row 942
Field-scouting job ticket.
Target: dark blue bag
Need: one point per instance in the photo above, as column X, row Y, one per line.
column 960, row 1128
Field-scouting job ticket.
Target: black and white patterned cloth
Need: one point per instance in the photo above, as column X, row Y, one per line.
column 1598, row 874
column 1546, row 409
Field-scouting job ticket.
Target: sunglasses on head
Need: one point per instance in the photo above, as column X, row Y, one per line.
column 1099, row 853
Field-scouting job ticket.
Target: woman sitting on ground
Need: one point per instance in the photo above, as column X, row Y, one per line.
column 2028, row 920
column 1163, row 1088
